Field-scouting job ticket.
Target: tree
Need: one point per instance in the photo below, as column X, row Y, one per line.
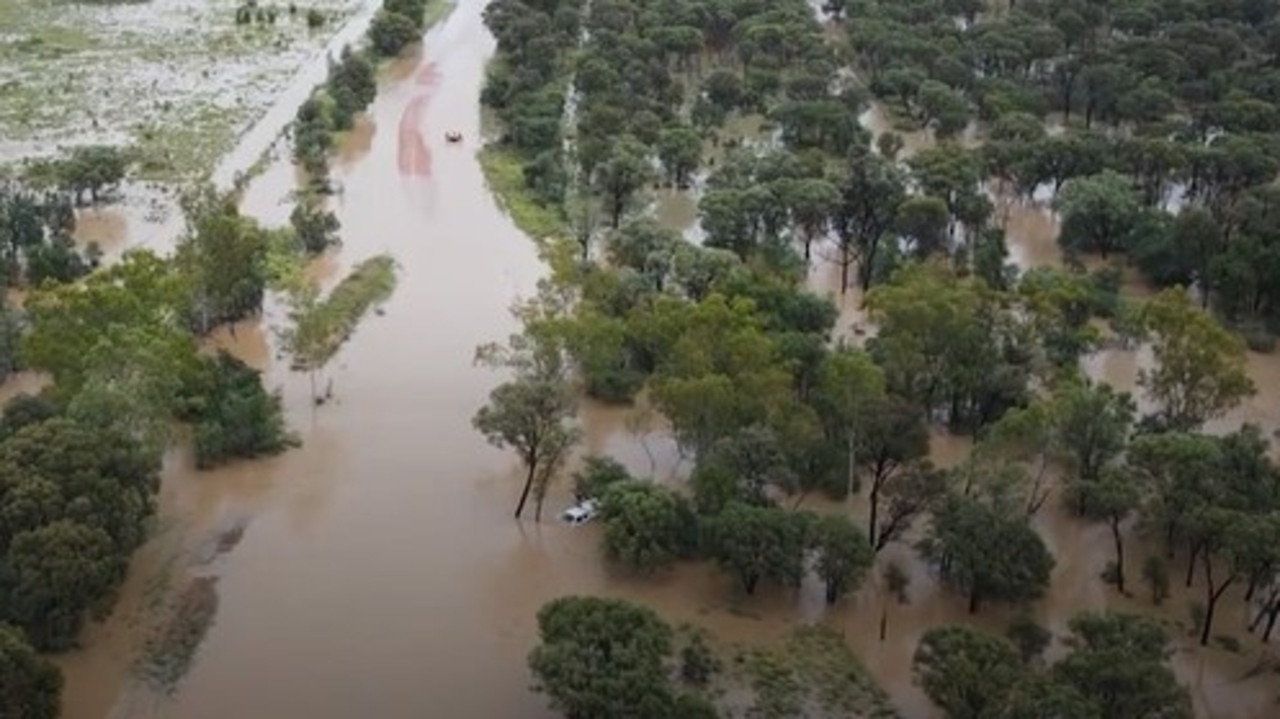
column 758, row 543
column 843, row 555
column 60, row 570
column 602, row 658
column 645, row 526
column 223, row 260
column 1093, row 422
column 623, row 173
column 1098, row 213
column 531, row 412
column 234, row 416
column 71, row 325
column 391, row 32
column 597, row 475
column 1111, row 497
column 1118, row 663
column 871, row 193
column 315, row 228
column 811, row 202
column 966, row 672
column 891, row 435
column 1200, row 370
column 847, row 395
column 987, row 554
column 30, row 686
column 92, row 169
column 680, row 150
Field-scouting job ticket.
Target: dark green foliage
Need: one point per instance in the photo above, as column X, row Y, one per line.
column 30, row 686
column 315, row 228
column 988, row 554
column 35, row 237
column 25, row 409
column 223, row 257
column 603, row 658
column 1116, row 669
column 234, row 416
column 757, row 543
column 73, row 501
column 597, row 475
column 646, row 526
column 390, row 33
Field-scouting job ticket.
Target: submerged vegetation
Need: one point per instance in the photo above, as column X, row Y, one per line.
column 320, row 327
column 1162, row 156
column 87, row 73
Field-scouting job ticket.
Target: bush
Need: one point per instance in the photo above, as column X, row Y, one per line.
column 391, row 32
column 234, row 416
column 315, row 18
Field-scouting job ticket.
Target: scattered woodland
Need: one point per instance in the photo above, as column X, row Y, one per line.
column 1149, row 128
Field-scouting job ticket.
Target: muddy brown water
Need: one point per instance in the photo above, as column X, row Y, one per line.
column 377, row 570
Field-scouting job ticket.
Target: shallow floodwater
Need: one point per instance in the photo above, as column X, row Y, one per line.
column 376, row 571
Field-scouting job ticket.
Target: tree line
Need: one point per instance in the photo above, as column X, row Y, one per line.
column 722, row 338
column 352, row 86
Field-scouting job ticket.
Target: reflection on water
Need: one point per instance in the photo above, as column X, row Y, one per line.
column 380, row 574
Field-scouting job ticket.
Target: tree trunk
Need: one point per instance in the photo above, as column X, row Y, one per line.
column 749, row 583
column 973, row 600
column 1272, row 613
column 528, row 484
column 884, row 621
column 833, row 592
column 844, row 271
column 1191, row 563
column 1212, row 595
column 874, row 517
column 1115, row 535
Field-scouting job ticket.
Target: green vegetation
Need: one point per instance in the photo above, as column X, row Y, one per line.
column 352, row 84
column 1165, row 158
column 1116, row 668
column 73, row 78
column 29, row 685
column 608, row 658
column 79, row 463
column 319, row 327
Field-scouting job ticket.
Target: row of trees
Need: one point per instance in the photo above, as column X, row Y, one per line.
column 352, row 86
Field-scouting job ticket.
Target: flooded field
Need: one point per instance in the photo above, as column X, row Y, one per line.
column 376, row 571
column 179, row 80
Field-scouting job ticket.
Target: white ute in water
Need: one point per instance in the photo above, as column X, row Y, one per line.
column 581, row 513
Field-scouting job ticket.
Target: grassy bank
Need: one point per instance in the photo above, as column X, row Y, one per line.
column 504, row 172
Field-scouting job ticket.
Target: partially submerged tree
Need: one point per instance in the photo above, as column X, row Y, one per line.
column 843, row 555
column 603, row 658
column 530, row 413
column 1200, row 370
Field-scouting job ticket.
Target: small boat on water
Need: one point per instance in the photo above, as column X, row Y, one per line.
column 453, row 136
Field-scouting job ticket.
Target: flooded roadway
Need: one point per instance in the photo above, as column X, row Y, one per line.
column 379, row 572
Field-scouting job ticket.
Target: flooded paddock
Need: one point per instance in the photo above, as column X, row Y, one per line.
column 376, row 570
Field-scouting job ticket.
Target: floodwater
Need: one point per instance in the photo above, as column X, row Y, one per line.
column 376, row 570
